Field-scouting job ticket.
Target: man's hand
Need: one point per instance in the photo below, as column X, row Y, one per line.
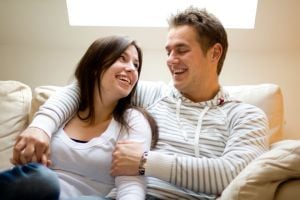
column 32, row 145
column 126, row 158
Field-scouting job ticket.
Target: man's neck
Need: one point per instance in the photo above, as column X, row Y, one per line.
column 202, row 94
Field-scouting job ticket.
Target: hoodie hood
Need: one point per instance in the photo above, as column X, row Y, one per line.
column 221, row 98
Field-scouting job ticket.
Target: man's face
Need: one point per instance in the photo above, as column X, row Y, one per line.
column 188, row 64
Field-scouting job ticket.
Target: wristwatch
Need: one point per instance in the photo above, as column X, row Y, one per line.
column 143, row 163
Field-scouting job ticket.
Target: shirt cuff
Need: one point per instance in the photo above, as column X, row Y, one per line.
column 159, row 165
column 43, row 122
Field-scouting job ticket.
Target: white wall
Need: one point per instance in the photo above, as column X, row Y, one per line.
column 36, row 65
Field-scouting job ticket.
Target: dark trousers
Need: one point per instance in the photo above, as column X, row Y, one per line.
column 29, row 182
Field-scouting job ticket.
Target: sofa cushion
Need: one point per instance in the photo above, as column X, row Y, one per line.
column 39, row 96
column 15, row 98
column 262, row 177
column 267, row 97
column 288, row 190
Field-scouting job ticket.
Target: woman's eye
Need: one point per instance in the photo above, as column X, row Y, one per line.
column 122, row 57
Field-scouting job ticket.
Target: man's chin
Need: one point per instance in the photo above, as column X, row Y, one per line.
column 177, row 85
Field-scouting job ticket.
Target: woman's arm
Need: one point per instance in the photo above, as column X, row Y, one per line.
column 134, row 187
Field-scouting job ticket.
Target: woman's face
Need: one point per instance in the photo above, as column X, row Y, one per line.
column 118, row 80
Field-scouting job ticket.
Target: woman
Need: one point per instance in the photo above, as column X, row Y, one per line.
column 81, row 149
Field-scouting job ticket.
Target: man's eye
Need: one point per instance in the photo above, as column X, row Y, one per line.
column 136, row 65
column 181, row 51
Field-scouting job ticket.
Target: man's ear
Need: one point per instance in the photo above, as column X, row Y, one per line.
column 216, row 52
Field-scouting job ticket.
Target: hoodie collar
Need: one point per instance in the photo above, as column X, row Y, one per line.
column 221, row 98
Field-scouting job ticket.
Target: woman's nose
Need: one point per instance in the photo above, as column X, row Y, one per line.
column 130, row 66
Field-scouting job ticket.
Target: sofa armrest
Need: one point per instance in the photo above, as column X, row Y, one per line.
column 261, row 178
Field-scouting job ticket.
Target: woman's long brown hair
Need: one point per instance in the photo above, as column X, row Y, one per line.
column 100, row 56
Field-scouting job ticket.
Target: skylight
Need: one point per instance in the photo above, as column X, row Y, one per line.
column 154, row 13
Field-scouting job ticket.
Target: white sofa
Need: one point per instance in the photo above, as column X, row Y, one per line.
column 274, row 175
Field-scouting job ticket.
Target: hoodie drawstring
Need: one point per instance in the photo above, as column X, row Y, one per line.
column 178, row 105
column 197, row 132
column 198, row 128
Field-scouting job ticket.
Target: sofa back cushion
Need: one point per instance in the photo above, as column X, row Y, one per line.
column 39, row 96
column 15, row 100
column 267, row 97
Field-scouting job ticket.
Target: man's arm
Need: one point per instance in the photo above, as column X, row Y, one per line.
column 32, row 145
column 148, row 92
column 248, row 140
column 57, row 109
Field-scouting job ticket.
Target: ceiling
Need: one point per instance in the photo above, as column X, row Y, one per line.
column 44, row 23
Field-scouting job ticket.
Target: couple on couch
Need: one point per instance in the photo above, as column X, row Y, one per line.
column 206, row 138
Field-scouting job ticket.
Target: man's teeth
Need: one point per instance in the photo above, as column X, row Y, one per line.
column 176, row 71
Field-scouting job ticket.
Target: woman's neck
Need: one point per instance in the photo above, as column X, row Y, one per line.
column 104, row 112
column 85, row 130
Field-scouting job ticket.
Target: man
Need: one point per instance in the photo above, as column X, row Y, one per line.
column 206, row 138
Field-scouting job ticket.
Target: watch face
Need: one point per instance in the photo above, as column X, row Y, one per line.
column 142, row 163
column 142, row 171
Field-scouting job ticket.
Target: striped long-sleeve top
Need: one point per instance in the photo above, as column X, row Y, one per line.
column 202, row 146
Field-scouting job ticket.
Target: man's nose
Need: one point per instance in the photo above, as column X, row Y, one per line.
column 172, row 59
